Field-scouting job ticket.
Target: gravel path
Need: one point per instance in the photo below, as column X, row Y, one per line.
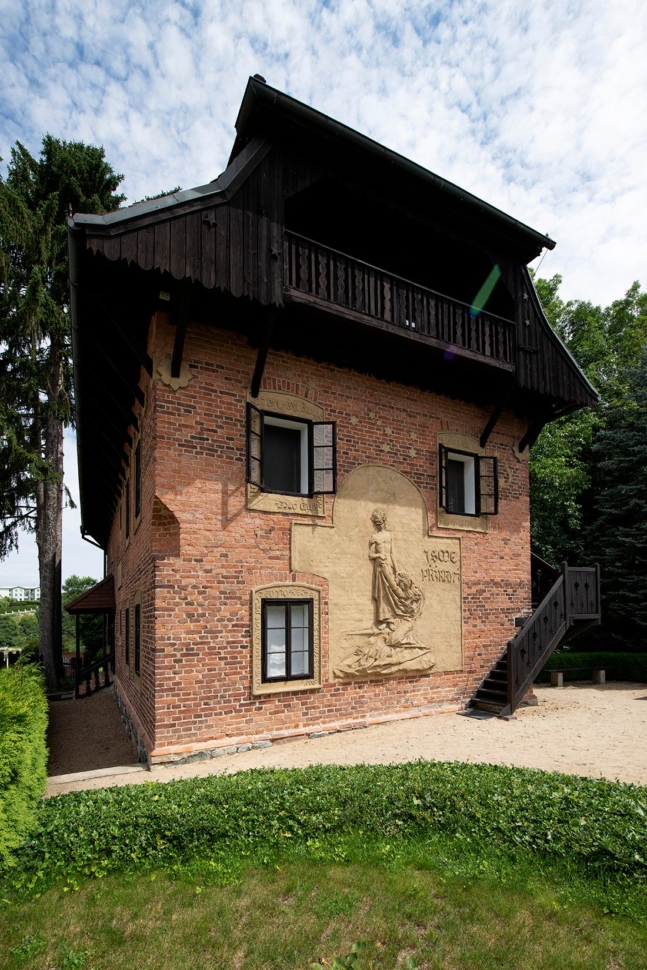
column 580, row 729
column 87, row 734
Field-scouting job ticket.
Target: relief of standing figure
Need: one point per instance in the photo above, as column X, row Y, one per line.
column 397, row 604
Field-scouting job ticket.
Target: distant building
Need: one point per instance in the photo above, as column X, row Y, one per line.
column 20, row 592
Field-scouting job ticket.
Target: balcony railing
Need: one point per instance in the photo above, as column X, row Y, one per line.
column 343, row 281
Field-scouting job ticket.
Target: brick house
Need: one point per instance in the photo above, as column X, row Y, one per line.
column 306, row 394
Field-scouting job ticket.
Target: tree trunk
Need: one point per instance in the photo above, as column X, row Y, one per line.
column 50, row 550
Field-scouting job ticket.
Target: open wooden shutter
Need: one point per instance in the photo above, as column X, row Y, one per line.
column 254, row 446
column 323, row 457
column 442, row 477
column 488, row 486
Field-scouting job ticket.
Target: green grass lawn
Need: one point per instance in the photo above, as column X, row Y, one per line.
column 432, row 865
column 291, row 915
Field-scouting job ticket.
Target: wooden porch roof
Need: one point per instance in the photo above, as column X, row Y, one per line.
column 98, row 599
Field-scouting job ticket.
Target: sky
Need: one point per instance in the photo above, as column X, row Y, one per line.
column 536, row 107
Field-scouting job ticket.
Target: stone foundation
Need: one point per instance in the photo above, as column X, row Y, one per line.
column 131, row 730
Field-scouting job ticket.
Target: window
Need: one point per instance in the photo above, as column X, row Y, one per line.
column 138, row 637
column 138, row 480
column 127, row 636
column 469, row 484
column 127, row 508
column 287, row 640
column 290, row 457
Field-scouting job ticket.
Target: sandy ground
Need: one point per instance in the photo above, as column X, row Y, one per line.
column 579, row 729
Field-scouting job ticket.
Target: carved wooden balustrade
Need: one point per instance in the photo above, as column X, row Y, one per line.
column 343, row 281
column 572, row 603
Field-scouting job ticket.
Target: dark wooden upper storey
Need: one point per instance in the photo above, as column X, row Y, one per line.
column 371, row 261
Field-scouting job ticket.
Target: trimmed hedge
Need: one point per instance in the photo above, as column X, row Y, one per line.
column 596, row 826
column 23, row 754
column 619, row 666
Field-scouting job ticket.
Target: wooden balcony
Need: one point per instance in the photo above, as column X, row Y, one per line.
column 316, row 274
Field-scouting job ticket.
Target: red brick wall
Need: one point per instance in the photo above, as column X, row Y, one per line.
column 199, row 551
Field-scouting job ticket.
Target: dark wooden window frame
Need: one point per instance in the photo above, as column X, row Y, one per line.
column 138, row 480
column 138, row 638
column 287, row 604
column 257, row 460
column 127, row 636
column 485, row 468
column 127, row 510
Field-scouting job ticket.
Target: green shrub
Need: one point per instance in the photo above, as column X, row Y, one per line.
column 23, row 755
column 618, row 666
column 596, row 826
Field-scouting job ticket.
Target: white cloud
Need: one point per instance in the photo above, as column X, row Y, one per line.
column 537, row 107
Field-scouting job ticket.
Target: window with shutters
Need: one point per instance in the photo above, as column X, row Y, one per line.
column 468, row 483
column 290, row 457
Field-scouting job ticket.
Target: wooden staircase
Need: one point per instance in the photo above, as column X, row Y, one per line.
column 571, row 605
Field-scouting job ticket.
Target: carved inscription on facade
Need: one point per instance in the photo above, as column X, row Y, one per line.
column 278, row 402
column 394, row 590
column 442, row 566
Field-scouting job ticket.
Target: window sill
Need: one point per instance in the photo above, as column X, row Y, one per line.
column 286, row 686
column 293, row 504
column 466, row 523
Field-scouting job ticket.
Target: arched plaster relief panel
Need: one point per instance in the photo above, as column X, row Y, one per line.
column 395, row 599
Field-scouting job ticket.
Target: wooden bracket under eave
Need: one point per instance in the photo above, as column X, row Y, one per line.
column 493, row 419
column 264, row 346
column 180, row 307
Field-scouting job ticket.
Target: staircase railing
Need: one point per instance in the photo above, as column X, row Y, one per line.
column 542, row 576
column 574, row 597
column 94, row 669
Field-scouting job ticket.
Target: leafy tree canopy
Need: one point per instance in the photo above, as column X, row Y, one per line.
column 588, row 471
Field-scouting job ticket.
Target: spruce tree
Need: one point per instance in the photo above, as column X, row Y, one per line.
column 36, row 397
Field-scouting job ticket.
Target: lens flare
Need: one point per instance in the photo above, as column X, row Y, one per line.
column 485, row 292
